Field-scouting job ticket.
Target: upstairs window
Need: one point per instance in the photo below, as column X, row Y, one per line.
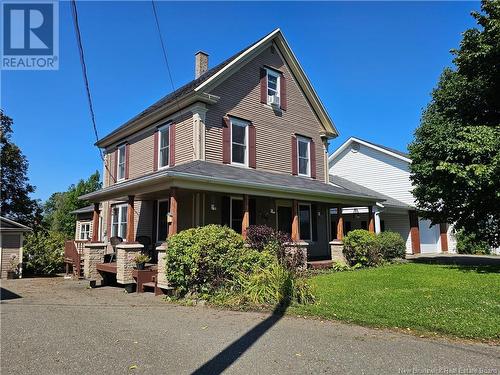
column 164, row 146
column 239, row 142
column 119, row 221
column 121, row 162
column 273, row 87
column 304, row 156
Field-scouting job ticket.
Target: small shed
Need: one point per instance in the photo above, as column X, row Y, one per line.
column 11, row 246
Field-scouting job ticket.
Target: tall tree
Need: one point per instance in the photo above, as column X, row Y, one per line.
column 58, row 208
column 15, row 202
column 456, row 150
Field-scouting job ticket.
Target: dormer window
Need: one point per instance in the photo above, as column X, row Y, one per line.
column 164, row 146
column 304, row 156
column 273, row 87
column 121, row 160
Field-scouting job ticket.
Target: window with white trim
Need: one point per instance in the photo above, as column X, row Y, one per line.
column 304, row 156
column 121, row 162
column 119, row 221
column 273, row 87
column 164, row 146
column 84, row 231
column 305, row 222
column 239, row 142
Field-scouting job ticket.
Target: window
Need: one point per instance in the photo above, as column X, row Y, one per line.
column 303, row 154
column 163, row 146
column 119, row 221
column 121, row 162
column 239, row 140
column 273, row 87
column 305, row 222
column 84, row 231
column 236, row 213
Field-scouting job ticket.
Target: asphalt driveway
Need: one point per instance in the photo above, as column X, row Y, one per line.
column 56, row 326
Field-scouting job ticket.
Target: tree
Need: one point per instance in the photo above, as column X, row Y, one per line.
column 456, row 151
column 58, row 208
column 15, row 202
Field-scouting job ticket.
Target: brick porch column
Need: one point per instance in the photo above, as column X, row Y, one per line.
column 414, row 232
column 93, row 253
column 125, row 254
column 371, row 220
column 340, row 224
column 443, row 233
column 130, row 236
column 337, row 251
column 161, row 278
column 246, row 217
column 95, row 223
column 295, row 221
column 172, row 228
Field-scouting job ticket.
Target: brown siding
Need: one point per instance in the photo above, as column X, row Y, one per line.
column 240, row 96
column 10, row 246
column 184, row 139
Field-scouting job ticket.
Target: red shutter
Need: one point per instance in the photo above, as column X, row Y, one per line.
column 171, row 161
column 263, row 85
column 294, row 155
column 252, row 144
column 127, row 160
column 312, row 155
column 283, row 92
column 115, row 166
column 155, row 151
column 226, row 140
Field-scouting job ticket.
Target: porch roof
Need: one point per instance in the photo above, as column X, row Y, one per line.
column 207, row 176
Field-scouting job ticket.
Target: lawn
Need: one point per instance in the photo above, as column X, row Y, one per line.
column 449, row 300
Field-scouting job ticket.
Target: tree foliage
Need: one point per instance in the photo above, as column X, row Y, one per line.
column 15, row 202
column 58, row 208
column 456, row 151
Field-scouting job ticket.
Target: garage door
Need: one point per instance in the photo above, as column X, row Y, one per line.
column 429, row 237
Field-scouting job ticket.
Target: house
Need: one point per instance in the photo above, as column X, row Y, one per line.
column 244, row 143
column 11, row 246
column 84, row 225
column 378, row 170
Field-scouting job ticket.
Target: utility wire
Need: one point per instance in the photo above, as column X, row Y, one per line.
column 74, row 12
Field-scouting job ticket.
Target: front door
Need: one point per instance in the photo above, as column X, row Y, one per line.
column 162, row 220
column 284, row 221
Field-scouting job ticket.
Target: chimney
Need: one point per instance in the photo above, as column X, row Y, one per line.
column 200, row 63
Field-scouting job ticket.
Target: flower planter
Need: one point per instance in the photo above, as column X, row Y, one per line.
column 140, row 266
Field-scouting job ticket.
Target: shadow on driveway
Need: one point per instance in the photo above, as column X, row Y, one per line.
column 477, row 263
column 6, row 295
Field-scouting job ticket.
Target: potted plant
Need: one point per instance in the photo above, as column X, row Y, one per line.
column 14, row 267
column 140, row 260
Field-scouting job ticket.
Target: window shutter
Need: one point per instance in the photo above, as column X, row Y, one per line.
column 312, row 151
column 115, row 166
column 252, row 145
column 294, row 155
column 155, row 151
column 225, row 211
column 226, row 140
column 283, row 92
column 263, row 85
column 127, row 160
column 171, row 132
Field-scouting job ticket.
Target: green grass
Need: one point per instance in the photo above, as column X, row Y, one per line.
column 449, row 300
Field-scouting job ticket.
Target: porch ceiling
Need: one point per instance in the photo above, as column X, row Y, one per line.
column 205, row 176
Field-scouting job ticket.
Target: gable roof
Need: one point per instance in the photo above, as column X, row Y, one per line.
column 7, row 225
column 384, row 149
column 197, row 89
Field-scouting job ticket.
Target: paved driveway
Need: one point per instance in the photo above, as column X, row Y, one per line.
column 55, row 326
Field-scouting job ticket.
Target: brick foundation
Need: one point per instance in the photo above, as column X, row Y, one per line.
column 125, row 254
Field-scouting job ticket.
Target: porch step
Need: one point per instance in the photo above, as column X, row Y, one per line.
column 150, row 284
column 320, row 264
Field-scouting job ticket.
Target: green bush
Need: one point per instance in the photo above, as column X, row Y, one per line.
column 44, row 253
column 391, row 245
column 467, row 243
column 361, row 247
column 202, row 259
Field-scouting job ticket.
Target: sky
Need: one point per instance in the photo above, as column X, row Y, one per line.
column 373, row 64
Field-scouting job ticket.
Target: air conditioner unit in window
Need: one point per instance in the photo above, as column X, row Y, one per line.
column 274, row 100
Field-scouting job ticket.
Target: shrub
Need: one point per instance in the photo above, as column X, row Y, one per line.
column 258, row 236
column 467, row 243
column 44, row 253
column 391, row 245
column 201, row 259
column 361, row 247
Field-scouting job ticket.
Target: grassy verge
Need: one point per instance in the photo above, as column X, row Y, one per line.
column 450, row 300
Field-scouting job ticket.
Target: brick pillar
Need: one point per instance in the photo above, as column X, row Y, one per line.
column 130, row 237
column 95, row 223
column 246, row 217
column 337, row 251
column 340, row 224
column 93, row 253
column 443, row 233
column 414, row 232
column 172, row 228
column 162, row 281
column 298, row 250
column 125, row 254
column 371, row 220
column 295, row 221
